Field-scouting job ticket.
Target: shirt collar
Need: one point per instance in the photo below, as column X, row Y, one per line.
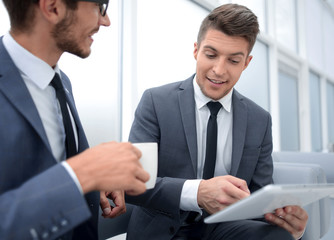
column 201, row 100
column 34, row 68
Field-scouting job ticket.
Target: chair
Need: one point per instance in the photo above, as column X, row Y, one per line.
column 294, row 173
column 326, row 162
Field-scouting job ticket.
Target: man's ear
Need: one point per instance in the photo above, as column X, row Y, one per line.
column 52, row 10
column 248, row 59
column 195, row 50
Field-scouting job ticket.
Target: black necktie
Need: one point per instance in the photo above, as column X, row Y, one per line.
column 211, row 141
column 70, row 144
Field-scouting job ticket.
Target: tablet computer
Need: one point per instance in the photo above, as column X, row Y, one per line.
column 271, row 197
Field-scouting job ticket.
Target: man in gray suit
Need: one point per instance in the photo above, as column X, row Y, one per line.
column 42, row 196
column 176, row 116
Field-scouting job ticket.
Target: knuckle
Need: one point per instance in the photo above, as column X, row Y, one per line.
column 131, row 168
column 224, row 187
column 279, row 222
column 223, row 201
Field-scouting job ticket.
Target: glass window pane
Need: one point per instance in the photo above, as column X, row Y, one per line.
column 256, row 74
column 289, row 120
column 330, row 111
column 328, row 43
column 285, row 23
column 314, row 36
column 315, row 104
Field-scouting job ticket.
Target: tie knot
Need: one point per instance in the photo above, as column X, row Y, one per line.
column 56, row 82
column 214, row 107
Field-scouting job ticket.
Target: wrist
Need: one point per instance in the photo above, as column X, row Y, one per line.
column 83, row 173
column 200, row 193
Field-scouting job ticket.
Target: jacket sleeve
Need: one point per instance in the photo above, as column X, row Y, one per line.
column 46, row 206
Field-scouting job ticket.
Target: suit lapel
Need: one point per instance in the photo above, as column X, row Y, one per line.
column 187, row 109
column 13, row 87
column 239, row 130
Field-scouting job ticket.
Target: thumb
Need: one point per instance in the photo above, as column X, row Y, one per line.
column 104, row 204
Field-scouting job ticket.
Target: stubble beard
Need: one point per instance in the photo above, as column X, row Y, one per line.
column 65, row 38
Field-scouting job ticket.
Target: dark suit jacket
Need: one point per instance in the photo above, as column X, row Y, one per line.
column 167, row 115
column 37, row 195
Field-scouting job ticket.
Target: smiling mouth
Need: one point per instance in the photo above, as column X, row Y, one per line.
column 93, row 32
column 216, row 81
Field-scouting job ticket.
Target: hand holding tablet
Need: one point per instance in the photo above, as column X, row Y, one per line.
column 271, row 197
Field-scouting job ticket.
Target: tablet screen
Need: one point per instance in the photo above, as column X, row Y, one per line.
column 271, row 197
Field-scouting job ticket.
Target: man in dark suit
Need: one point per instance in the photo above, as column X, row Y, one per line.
column 42, row 196
column 176, row 117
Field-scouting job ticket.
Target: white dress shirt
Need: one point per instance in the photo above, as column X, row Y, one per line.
column 188, row 200
column 37, row 76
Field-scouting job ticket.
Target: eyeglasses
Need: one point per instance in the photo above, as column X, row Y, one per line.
column 103, row 5
column 103, row 8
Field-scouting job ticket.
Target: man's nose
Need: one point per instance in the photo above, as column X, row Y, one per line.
column 219, row 67
column 104, row 20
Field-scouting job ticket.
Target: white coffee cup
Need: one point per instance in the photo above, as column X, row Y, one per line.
column 149, row 160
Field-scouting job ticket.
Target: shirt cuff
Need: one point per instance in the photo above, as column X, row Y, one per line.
column 73, row 175
column 188, row 201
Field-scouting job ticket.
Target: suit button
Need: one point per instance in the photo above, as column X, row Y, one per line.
column 45, row 235
column 171, row 230
column 63, row 222
column 54, row 229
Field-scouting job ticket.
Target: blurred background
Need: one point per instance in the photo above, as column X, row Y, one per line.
column 150, row 43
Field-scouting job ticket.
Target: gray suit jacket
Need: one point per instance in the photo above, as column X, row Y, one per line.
column 166, row 115
column 37, row 195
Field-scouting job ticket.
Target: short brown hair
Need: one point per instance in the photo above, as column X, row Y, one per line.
column 232, row 20
column 21, row 12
